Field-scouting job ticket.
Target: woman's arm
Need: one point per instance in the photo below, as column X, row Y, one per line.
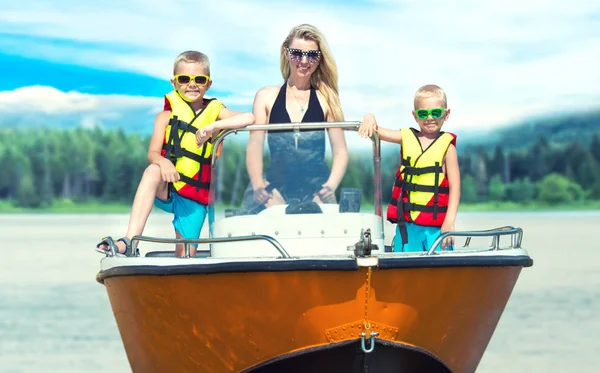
column 337, row 139
column 254, row 150
column 340, row 157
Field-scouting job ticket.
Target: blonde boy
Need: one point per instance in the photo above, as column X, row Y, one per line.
column 178, row 177
column 426, row 193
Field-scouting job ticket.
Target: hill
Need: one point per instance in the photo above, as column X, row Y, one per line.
column 557, row 129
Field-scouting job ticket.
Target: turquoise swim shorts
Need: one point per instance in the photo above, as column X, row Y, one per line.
column 420, row 238
column 188, row 215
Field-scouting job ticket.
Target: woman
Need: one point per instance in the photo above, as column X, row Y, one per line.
column 309, row 94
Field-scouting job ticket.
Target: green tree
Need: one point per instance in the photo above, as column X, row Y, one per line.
column 573, row 154
column 556, row 188
column 10, row 165
column 537, row 159
column 497, row 189
column 518, row 166
column 465, row 161
column 587, row 172
column 528, row 190
column 27, row 195
column 595, row 147
column 521, row 190
column 46, row 192
column 468, row 189
column 481, row 175
column 496, row 163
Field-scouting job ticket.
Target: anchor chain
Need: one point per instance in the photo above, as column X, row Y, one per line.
column 371, row 335
column 367, row 294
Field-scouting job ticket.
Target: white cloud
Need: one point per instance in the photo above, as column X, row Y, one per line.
column 49, row 100
column 40, row 106
column 498, row 61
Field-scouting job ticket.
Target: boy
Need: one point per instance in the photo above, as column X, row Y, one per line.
column 426, row 193
column 180, row 150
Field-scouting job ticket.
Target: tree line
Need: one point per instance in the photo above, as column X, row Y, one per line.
column 40, row 166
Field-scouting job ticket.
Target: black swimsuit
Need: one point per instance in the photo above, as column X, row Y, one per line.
column 298, row 168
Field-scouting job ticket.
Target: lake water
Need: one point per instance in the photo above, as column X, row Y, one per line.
column 54, row 317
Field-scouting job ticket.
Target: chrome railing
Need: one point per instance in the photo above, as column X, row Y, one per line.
column 189, row 242
column 515, row 233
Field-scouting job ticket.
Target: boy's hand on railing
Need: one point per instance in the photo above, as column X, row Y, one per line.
column 448, row 242
column 368, row 126
column 204, row 133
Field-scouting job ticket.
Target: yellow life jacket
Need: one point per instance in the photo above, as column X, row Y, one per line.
column 421, row 191
column 179, row 145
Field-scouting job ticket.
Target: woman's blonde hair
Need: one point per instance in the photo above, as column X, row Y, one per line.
column 325, row 77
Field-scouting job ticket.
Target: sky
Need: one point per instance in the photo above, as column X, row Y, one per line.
column 500, row 62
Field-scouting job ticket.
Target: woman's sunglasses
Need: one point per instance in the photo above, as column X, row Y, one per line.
column 186, row 79
column 435, row 113
column 296, row 55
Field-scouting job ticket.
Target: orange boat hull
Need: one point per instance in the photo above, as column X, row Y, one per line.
column 263, row 321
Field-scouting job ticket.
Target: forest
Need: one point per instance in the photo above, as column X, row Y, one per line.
column 44, row 165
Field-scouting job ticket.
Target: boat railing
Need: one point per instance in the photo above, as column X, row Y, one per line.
column 516, row 235
column 188, row 242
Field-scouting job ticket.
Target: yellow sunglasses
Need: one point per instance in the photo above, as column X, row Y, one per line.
column 186, row 79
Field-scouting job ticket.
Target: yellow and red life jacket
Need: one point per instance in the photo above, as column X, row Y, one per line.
column 179, row 145
column 421, row 191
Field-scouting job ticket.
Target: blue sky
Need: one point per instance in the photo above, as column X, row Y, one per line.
column 500, row 62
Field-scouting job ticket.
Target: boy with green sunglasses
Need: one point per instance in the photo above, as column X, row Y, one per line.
column 426, row 193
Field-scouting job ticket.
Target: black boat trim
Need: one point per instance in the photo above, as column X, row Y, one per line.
column 348, row 357
column 284, row 265
column 276, row 265
column 456, row 261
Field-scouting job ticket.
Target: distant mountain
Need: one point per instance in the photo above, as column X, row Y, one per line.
column 557, row 129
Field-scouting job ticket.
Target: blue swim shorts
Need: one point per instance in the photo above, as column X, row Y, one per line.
column 188, row 215
column 420, row 238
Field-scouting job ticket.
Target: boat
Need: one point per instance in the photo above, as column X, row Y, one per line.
column 294, row 288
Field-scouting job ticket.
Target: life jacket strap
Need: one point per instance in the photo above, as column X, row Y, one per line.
column 194, row 182
column 410, row 170
column 415, row 207
column 436, row 191
column 410, row 187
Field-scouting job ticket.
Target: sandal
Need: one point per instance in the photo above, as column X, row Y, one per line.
column 108, row 241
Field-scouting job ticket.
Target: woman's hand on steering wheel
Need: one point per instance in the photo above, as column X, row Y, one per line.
column 261, row 195
column 326, row 194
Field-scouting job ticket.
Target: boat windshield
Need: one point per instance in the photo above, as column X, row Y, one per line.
column 293, row 168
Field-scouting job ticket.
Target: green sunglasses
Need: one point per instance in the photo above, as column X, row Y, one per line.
column 435, row 113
